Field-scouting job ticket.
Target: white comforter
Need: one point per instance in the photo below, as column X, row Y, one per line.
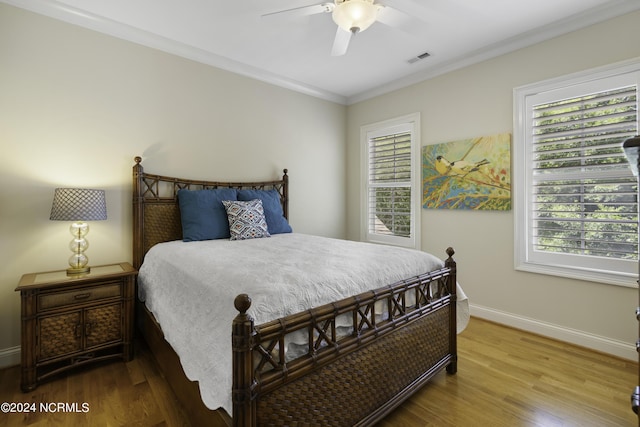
column 190, row 288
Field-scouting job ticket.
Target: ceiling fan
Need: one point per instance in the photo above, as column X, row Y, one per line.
column 351, row 17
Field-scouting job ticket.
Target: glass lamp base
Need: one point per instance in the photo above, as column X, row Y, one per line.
column 78, row 261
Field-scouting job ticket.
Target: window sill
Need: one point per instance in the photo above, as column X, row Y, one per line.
column 626, row 280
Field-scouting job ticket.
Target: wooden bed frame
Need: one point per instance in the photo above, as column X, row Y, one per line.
column 353, row 380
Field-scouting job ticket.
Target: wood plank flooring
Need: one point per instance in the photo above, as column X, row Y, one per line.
column 117, row 394
column 505, row 377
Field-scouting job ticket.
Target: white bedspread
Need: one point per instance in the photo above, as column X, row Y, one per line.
column 190, row 288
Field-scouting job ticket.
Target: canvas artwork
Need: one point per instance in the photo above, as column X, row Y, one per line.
column 468, row 174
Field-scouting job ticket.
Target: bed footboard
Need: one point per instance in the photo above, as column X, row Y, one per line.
column 400, row 337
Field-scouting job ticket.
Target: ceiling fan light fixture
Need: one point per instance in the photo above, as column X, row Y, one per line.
column 355, row 15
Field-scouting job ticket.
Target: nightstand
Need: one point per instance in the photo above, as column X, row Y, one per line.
column 70, row 321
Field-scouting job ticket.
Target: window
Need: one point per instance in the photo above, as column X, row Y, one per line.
column 576, row 207
column 390, row 164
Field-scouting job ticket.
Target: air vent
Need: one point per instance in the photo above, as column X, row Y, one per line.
column 418, row 58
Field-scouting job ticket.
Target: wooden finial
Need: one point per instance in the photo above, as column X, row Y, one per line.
column 450, row 251
column 242, row 303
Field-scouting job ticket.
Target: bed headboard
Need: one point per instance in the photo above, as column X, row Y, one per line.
column 156, row 213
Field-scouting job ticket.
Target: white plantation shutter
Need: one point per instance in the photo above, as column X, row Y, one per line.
column 390, row 184
column 584, row 194
column 390, row 163
column 579, row 210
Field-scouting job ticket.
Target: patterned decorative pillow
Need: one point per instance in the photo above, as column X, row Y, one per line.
column 246, row 219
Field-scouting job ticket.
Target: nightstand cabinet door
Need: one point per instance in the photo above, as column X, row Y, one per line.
column 58, row 335
column 102, row 325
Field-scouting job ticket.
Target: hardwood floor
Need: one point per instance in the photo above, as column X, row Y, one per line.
column 505, row 377
column 508, row 377
column 117, row 394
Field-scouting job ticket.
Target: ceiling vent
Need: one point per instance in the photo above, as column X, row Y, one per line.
column 418, row 58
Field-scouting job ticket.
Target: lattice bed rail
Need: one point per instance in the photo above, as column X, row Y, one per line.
column 164, row 188
column 270, row 386
column 158, row 187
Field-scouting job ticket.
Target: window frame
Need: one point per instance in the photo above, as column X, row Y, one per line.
column 410, row 123
column 598, row 269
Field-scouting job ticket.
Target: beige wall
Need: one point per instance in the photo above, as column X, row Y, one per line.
column 77, row 106
column 477, row 101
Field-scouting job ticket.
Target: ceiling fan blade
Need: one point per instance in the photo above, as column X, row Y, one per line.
column 301, row 11
column 400, row 20
column 436, row 8
column 341, row 42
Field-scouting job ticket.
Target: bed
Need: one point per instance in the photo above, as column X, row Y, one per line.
column 346, row 357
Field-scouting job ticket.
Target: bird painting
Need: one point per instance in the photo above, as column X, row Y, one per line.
column 459, row 167
column 468, row 174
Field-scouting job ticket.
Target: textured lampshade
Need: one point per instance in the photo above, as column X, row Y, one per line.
column 78, row 205
column 355, row 15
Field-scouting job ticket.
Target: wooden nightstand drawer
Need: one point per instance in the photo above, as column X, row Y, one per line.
column 48, row 301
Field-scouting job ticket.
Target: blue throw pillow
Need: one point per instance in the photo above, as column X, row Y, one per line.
column 276, row 221
column 203, row 215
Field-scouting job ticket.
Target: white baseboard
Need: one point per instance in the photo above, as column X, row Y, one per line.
column 9, row 357
column 595, row 342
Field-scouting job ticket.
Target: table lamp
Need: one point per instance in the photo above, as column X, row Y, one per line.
column 78, row 205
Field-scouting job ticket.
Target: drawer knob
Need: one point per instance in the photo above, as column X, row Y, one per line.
column 82, row 296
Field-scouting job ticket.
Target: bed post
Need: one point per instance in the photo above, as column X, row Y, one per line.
column 285, row 193
column 244, row 405
column 452, row 368
column 138, row 214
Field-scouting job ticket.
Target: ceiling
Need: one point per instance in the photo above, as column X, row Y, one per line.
column 295, row 51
